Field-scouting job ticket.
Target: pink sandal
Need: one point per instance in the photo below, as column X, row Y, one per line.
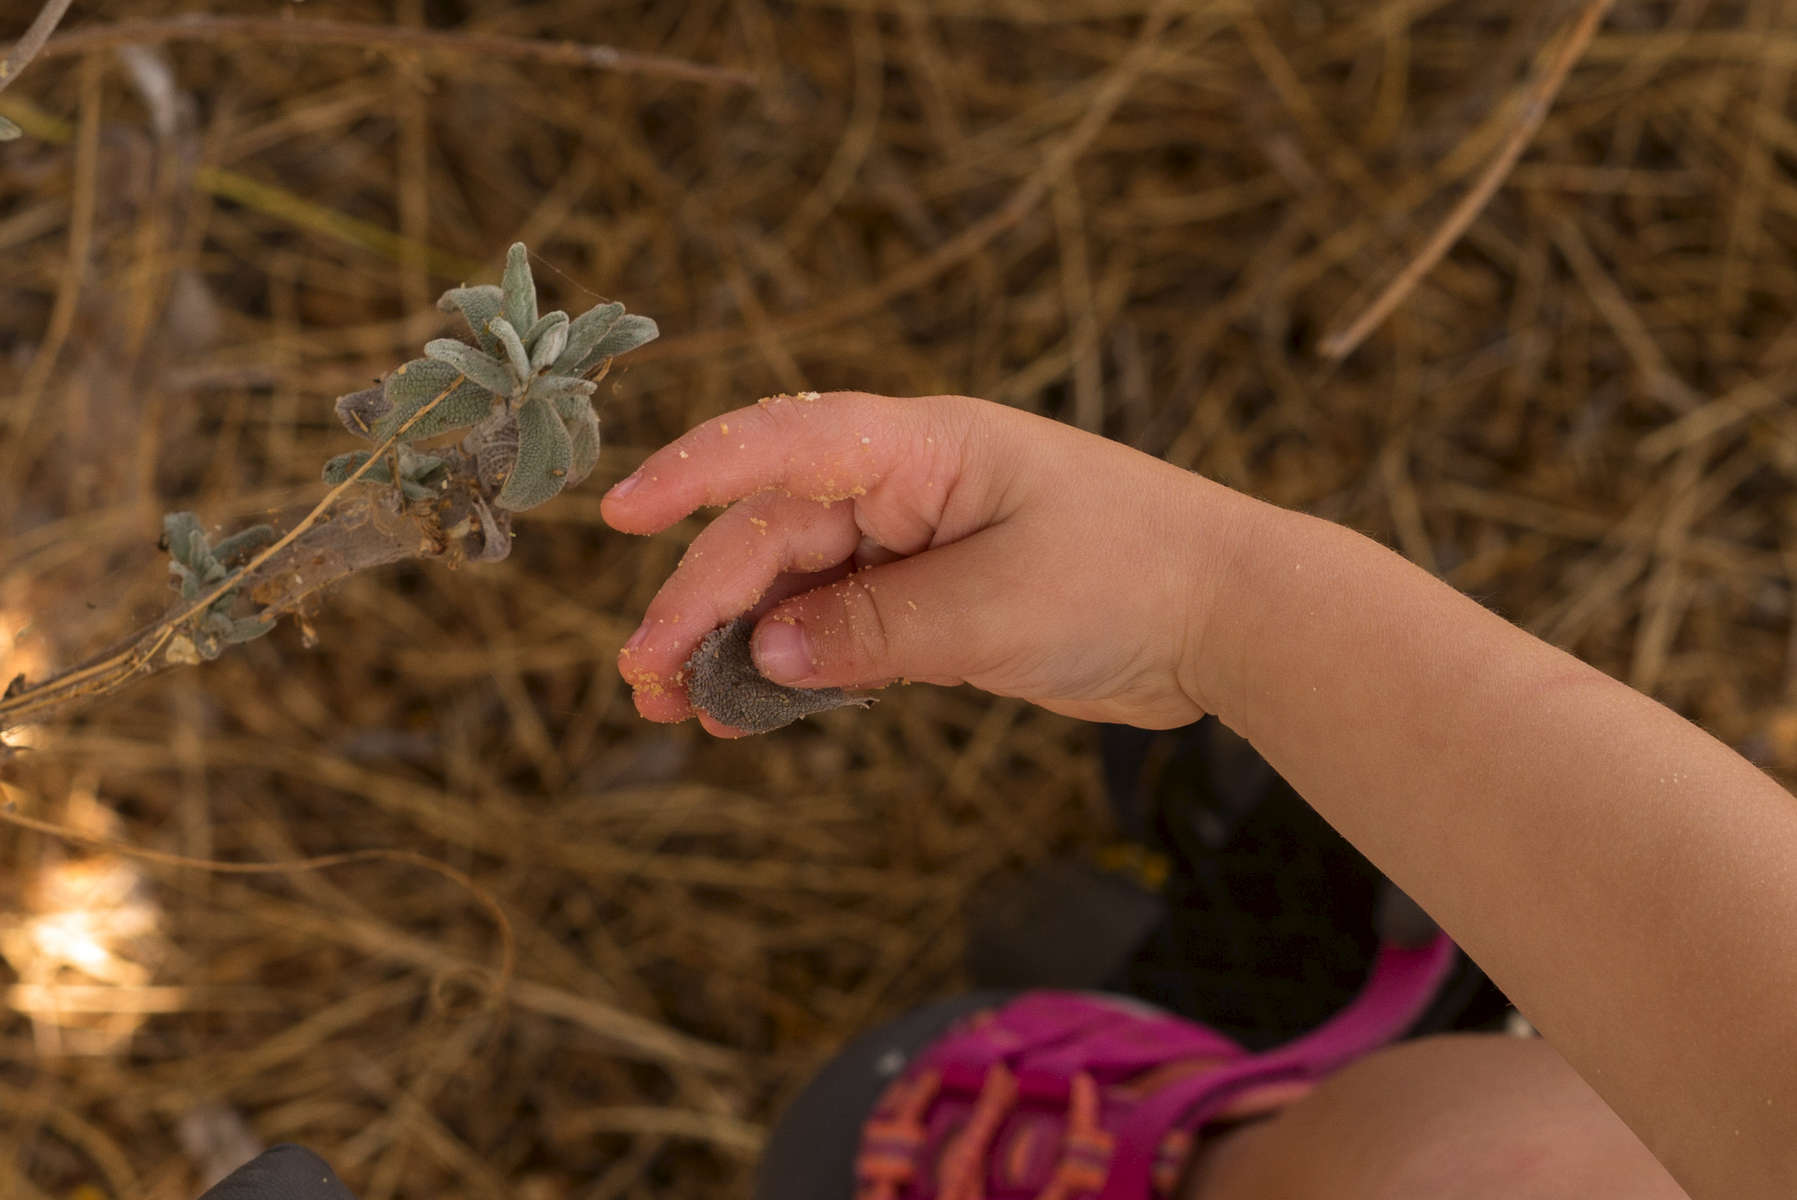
column 1061, row 1095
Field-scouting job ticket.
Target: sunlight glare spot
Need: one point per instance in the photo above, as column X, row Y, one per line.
column 84, row 922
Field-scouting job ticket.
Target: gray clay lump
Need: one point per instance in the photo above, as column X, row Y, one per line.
column 721, row 680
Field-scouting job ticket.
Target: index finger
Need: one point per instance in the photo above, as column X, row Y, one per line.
column 825, row 448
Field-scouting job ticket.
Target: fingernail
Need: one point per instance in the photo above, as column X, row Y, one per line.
column 782, row 652
column 639, row 637
column 627, row 485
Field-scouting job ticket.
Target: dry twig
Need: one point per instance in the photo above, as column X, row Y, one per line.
column 293, row 571
column 28, row 46
column 1536, row 102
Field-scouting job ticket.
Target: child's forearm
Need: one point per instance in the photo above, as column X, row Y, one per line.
column 1628, row 880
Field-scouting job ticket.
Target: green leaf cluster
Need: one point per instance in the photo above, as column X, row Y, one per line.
column 421, row 476
column 198, row 567
column 521, row 387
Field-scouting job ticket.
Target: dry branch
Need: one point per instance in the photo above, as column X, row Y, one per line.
column 1533, row 110
column 30, row 45
column 323, row 549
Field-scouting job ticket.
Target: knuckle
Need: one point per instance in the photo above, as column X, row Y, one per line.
column 777, row 413
column 756, row 511
column 772, row 427
column 863, row 631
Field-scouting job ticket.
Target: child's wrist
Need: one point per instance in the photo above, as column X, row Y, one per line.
column 1238, row 534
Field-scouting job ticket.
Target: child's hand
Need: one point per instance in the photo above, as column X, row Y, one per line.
column 939, row 539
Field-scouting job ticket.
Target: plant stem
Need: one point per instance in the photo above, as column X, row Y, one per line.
column 305, row 560
column 26, row 48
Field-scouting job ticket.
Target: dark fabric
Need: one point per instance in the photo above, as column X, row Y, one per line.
column 1270, row 914
column 282, row 1173
column 810, row 1154
column 1067, row 926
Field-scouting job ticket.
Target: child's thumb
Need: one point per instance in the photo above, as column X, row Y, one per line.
column 918, row 618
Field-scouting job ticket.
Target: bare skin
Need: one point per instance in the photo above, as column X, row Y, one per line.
column 1628, row 880
column 1460, row 1117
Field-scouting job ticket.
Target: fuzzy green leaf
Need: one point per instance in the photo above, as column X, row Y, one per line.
column 361, row 411
column 8, row 130
column 535, row 333
column 420, row 468
column 480, row 368
column 583, row 436
column 584, row 333
column 195, row 562
column 546, row 341
column 186, row 541
column 478, row 305
column 243, row 543
column 414, row 386
column 545, row 452
column 520, row 307
column 247, row 629
column 345, row 465
column 567, row 393
column 631, row 331
column 496, row 450
column 209, row 635
column 418, row 473
column 514, row 347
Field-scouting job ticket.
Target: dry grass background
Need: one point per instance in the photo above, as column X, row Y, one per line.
column 1579, row 416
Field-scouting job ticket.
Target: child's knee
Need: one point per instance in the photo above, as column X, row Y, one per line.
column 1503, row 1117
column 1456, row 1117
